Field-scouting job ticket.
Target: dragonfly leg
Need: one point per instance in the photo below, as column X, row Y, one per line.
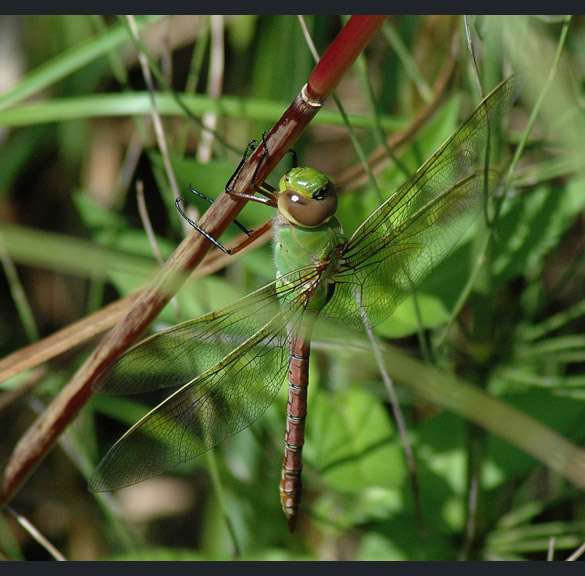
column 264, row 189
column 270, row 199
column 291, row 151
column 210, row 200
column 199, row 229
column 269, row 192
column 265, row 185
column 294, row 163
column 252, row 234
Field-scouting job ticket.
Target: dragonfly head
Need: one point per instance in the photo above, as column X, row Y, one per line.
column 307, row 197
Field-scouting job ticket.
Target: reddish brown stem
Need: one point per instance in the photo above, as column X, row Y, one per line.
column 40, row 438
column 346, row 47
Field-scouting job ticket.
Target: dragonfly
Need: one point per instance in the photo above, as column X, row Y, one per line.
column 227, row 366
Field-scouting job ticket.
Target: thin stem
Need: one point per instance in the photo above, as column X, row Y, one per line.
column 218, row 489
column 550, row 555
column 552, row 323
column 475, row 455
column 408, row 62
column 156, row 121
column 466, row 291
column 378, row 131
column 216, row 70
column 145, row 219
column 202, row 37
column 360, row 151
column 536, row 110
column 398, row 416
column 577, row 554
column 472, row 55
column 18, row 295
column 37, row 535
column 308, row 39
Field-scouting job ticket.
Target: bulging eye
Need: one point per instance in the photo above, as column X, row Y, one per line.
column 308, row 212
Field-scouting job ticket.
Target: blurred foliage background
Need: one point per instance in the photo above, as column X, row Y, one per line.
column 78, row 150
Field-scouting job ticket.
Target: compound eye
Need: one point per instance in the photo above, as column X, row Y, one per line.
column 308, row 212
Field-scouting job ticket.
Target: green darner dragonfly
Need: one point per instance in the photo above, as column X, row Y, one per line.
column 229, row 365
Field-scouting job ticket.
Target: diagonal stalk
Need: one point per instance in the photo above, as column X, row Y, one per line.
column 43, row 434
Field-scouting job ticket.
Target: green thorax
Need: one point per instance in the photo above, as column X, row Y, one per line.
column 296, row 248
column 307, row 235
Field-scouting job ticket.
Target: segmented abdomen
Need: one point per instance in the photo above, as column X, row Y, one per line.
column 296, row 411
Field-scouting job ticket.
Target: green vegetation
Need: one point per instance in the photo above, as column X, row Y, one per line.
column 487, row 357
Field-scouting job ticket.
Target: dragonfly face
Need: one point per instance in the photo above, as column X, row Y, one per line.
column 228, row 366
column 307, row 197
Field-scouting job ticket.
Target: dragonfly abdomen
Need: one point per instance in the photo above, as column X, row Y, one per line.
column 296, row 412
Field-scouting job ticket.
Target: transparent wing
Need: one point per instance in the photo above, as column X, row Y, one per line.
column 229, row 365
column 174, row 357
column 400, row 243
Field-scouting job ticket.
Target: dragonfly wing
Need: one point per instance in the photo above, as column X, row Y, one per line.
column 174, row 357
column 410, row 233
column 201, row 414
column 404, row 257
column 217, row 403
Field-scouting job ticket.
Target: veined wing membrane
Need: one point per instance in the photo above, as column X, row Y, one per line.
column 404, row 255
column 174, row 357
column 231, row 386
column 400, row 243
column 450, row 164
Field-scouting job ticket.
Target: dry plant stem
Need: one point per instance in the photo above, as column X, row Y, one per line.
column 37, row 535
column 39, row 439
column 64, row 339
column 156, row 121
column 215, row 81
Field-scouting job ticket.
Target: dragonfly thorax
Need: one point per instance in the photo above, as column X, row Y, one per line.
column 307, row 197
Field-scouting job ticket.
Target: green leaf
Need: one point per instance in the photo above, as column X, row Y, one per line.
column 357, row 448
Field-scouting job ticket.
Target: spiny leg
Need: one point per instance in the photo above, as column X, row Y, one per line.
column 210, row 200
column 266, row 190
column 252, row 234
